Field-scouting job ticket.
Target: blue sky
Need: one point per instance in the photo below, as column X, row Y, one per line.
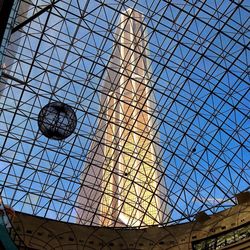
column 201, row 87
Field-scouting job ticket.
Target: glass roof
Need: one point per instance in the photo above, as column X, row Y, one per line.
column 197, row 69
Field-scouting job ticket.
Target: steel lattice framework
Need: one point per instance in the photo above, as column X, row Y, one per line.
column 60, row 50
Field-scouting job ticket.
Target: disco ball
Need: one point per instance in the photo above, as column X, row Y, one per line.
column 57, row 120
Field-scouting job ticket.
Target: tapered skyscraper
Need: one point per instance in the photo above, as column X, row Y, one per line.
column 122, row 184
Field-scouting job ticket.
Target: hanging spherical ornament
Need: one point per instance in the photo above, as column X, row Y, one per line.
column 57, row 120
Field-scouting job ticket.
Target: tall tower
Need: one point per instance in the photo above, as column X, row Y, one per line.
column 122, row 183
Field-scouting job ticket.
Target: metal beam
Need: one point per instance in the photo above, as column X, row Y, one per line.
column 5, row 10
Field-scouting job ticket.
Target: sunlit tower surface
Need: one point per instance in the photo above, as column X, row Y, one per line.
column 122, row 183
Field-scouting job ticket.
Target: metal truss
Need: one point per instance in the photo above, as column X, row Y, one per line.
column 60, row 50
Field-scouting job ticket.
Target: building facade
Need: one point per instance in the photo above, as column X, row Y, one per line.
column 12, row 13
column 122, row 183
